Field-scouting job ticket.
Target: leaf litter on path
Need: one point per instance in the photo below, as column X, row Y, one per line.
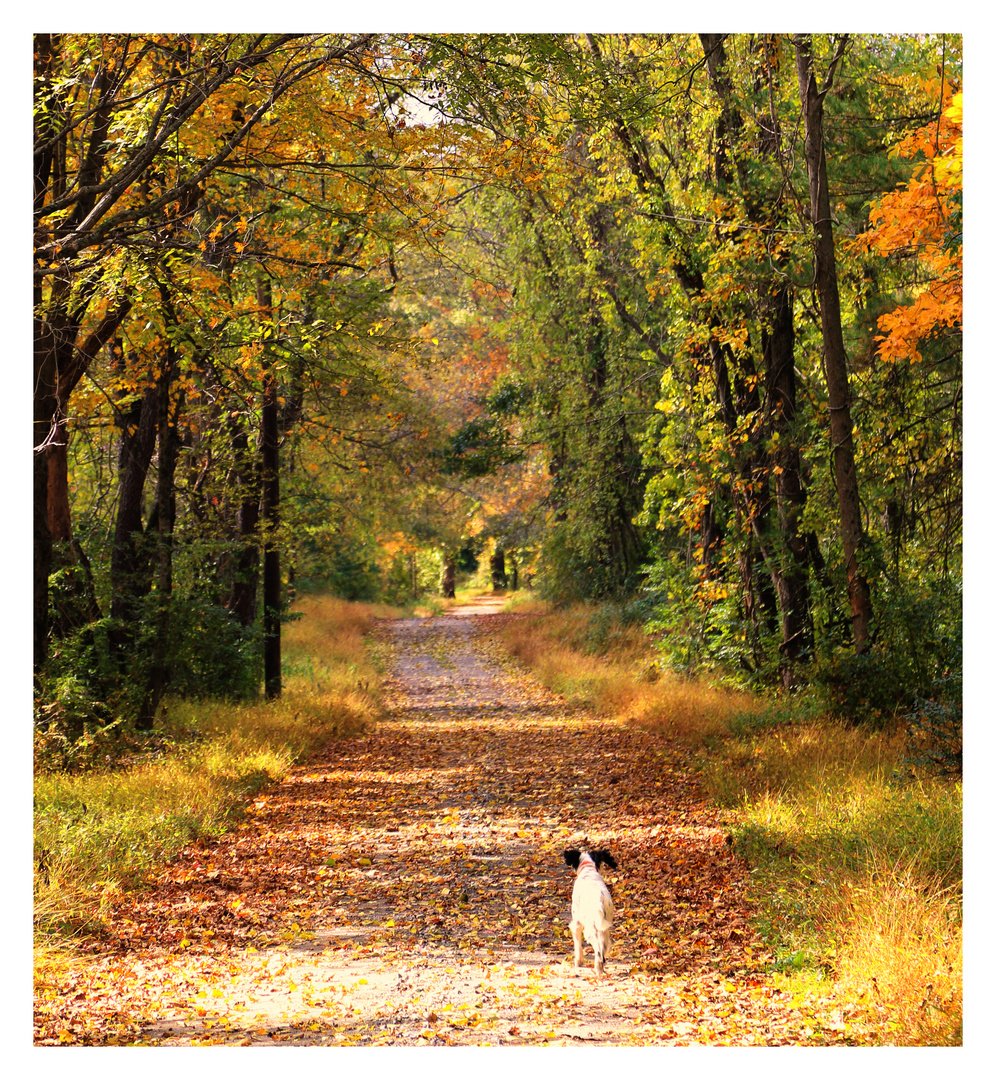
column 407, row 887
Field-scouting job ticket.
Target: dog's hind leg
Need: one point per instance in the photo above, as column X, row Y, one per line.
column 578, row 932
column 601, row 947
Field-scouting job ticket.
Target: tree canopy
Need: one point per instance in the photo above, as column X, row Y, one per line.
column 667, row 320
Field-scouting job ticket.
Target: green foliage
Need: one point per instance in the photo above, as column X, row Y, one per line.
column 934, row 727
column 329, row 559
column 914, row 667
column 409, row 577
column 698, row 627
column 88, row 693
column 210, row 654
column 605, row 306
column 79, row 701
column 480, row 448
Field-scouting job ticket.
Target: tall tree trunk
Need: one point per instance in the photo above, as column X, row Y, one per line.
column 790, row 566
column 270, row 513
column 169, row 451
column 42, row 561
column 513, row 562
column 448, row 580
column 57, row 455
column 787, row 557
column 130, row 566
column 498, row 578
column 242, row 598
column 835, row 358
column 52, row 351
column 60, row 361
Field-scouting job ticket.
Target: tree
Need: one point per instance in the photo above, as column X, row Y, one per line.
column 565, row 308
column 834, row 354
column 127, row 130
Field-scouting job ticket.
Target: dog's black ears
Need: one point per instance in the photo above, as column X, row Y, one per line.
column 600, row 857
column 573, row 858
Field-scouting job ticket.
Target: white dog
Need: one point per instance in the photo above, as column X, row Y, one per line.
column 591, row 905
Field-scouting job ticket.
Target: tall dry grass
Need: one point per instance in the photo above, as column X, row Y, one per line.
column 858, row 871
column 856, row 865
column 610, row 668
column 900, row 952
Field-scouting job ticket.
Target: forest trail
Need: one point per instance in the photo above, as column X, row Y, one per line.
column 408, row 887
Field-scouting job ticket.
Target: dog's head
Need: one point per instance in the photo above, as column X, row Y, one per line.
column 574, row 858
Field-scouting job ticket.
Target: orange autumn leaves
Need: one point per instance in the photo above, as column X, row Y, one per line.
column 923, row 219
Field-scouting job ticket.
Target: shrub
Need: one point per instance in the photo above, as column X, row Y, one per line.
column 934, row 728
column 914, row 667
column 211, row 653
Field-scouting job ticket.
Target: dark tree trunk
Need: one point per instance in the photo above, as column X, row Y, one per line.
column 790, row 565
column 60, row 361
column 269, row 441
column 130, row 562
column 169, row 451
column 785, row 557
column 270, row 514
column 242, row 598
column 498, row 578
column 448, row 581
column 710, row 540
column 53, row 342
column 835, row 357
column 42, row 561
column 57, row 455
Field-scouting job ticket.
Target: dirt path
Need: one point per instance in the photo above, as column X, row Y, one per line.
column 408, row 888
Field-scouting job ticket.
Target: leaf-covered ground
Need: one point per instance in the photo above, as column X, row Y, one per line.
column 408, row 888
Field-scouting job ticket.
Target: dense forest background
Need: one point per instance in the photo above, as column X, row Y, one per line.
column 666, row 323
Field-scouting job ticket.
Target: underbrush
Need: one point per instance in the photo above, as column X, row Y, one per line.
column 101, row 827
column 855, row 856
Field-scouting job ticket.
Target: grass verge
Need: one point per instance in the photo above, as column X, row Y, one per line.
column 856, row 863
column 102, row 829
column 594, row 658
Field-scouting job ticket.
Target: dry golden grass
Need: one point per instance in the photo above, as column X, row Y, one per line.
column 330, row 672
column 787, row 759
column 900, row 952
column 620, row 680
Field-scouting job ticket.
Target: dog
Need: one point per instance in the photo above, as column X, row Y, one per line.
column 591, row 905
